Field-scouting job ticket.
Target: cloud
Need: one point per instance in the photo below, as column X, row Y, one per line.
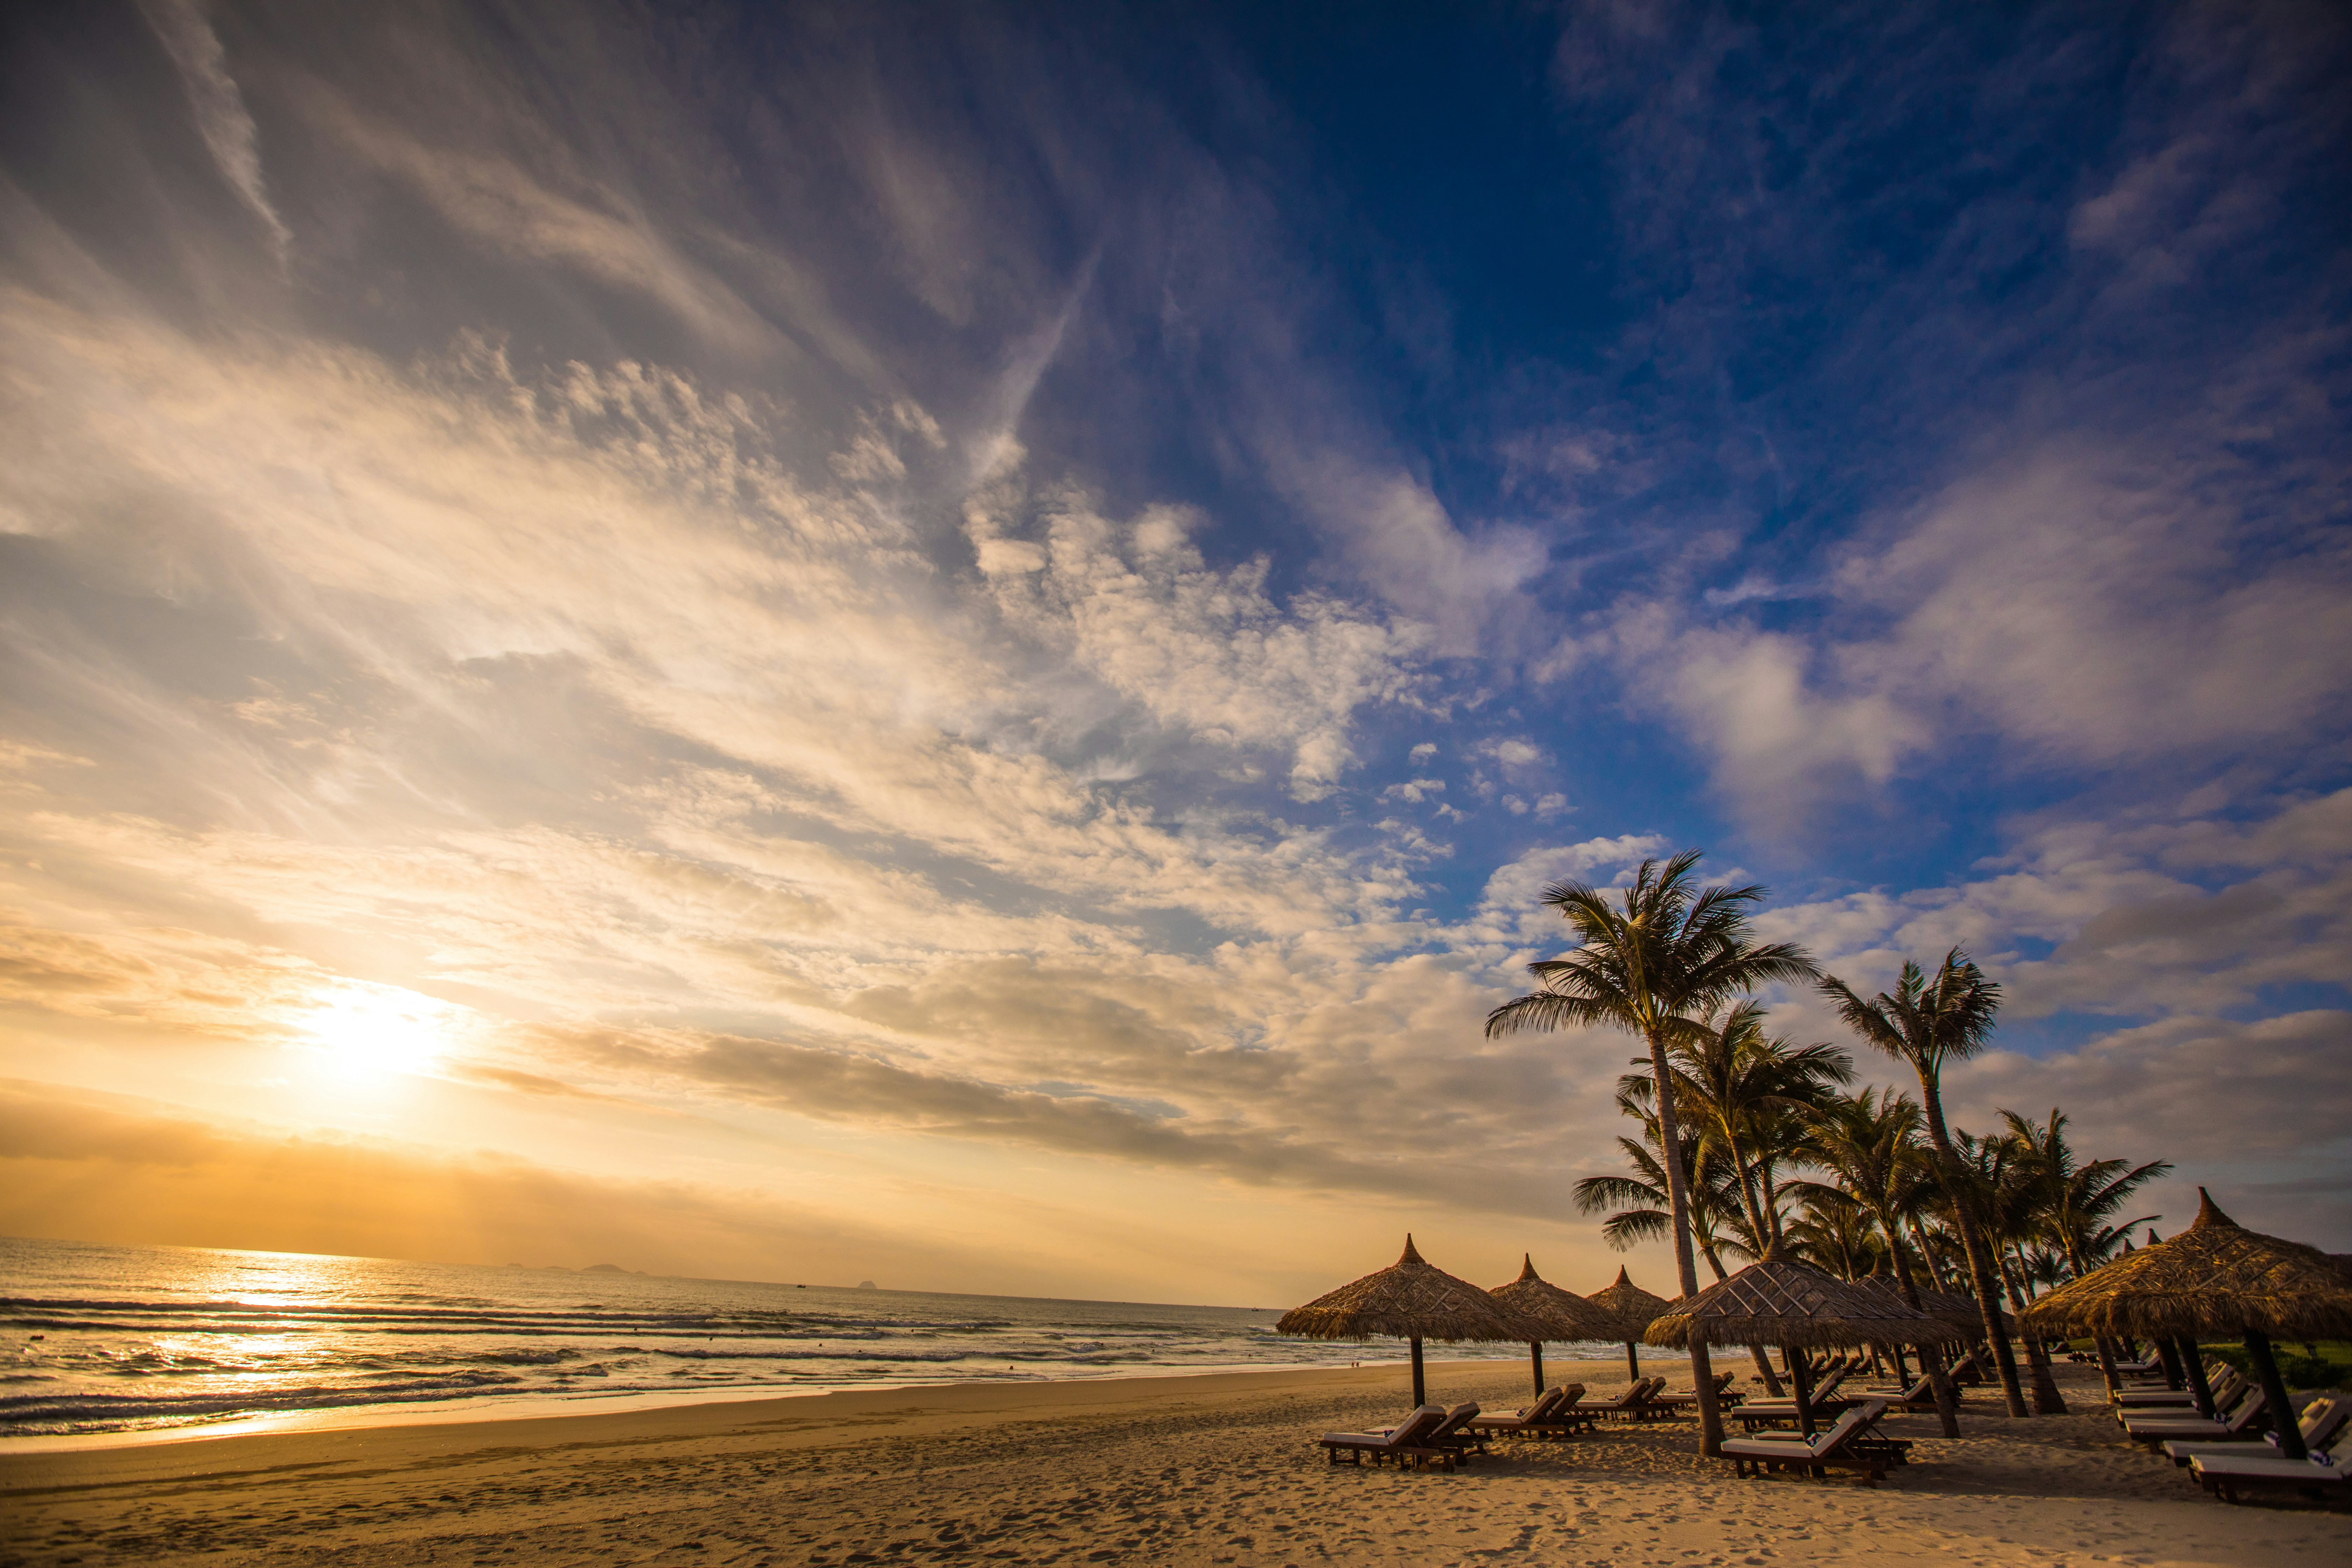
column 222, row 119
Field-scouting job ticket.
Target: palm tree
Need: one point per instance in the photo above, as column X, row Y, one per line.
column 1651, row 968
column 1738, row 1091
column 2079, row 1202
column 2008, row 1195
column 1836, row 1234
column 1926, row 1023
column 1718, row 1224
column 1870, row 1142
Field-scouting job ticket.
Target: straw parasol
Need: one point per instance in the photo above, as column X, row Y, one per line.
column 1635, row 1309
column 1780, row 1300
column 1564, row 1314
column 1412, row 1300
column 2215, row 1277
column 1956, row 1310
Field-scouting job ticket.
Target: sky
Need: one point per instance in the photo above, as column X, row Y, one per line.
column 951, row 644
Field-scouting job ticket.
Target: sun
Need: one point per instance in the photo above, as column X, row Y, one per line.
column 373, row 1031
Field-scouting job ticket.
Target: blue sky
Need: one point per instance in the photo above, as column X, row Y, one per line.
column 692, row 608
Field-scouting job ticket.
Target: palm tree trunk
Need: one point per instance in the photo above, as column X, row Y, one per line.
column 1927, row 1253
column 2047, row 1401
column 1670, row 1148
column 1931, row 1357
column 1981, row 1272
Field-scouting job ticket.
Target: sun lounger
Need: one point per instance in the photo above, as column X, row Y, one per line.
column 1529, row 1418
column 1687, row 1399
column 1560, row 1413
column 1404, row 1441
column 2218, row 1377
column 1545, row 1403
column 2241, row 1417
column 2323, row 1420
column 1754, row 1411
column 1920, row 1395
column 1833, row 1450
column 1628, row 1405
column 2228, row 1474
column 1867, row 1440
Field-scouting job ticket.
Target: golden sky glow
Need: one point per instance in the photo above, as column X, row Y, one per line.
column 914, row 666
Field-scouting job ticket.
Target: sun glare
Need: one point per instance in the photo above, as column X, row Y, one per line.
column 371, row 1031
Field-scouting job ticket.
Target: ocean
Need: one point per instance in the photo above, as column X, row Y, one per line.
column 144, row 1341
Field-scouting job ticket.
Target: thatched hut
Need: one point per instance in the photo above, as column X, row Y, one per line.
column 1634, row 1310
column 1780, row 1300
column 1564, row 1314
column 1411, row 1301
column 2216, row 1277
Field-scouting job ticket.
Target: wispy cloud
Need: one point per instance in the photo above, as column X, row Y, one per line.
column 222, row 119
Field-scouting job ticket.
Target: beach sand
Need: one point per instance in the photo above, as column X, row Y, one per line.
column 1219, row 1469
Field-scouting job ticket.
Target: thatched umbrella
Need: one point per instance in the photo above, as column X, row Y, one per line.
column 1780, row 1300
column 1956, row 1310
column 1564, row 1314
column 1635, row 1309
column 2215, row 1277
column 1410, row 1299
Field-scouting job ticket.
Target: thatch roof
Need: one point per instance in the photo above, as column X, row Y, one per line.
column 1564, row 1314
column 1634, row 1308
column 1411, row 1301
column 1956, row 1310
column 1782, row 1300
column 2215, row 1277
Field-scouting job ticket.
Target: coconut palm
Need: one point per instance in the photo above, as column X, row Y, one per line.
column 1652, row 963
column 2078, row 1205
column 2008, row 1200
column 1743, row 1092
column 1720, row 1225
column 1927, row 1022
column 1835, row 1233
column 1870, row 1142
column 1639, row 1203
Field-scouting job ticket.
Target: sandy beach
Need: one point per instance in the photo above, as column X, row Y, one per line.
column 1217, row 1469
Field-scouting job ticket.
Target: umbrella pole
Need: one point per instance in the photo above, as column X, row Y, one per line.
column 1632, row 1362
column 1420, row 1390
column 2266, row 1372
column 2198, row 1384
column 2169, row 1354
column 1803, row 1371
column 1535, row 1355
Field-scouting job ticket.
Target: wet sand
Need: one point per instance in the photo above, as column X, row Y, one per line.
column 1219, row 1469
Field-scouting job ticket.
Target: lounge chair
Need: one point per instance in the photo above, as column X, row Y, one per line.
column 1920, row 1395
column 1867, row 1440
column 1402, row 1442
column 2216, row 1377
column 2322, row 1419
column 2228, row 1474
column 1529, row 1418
column 1725, row 1397
column 1833, row 1450
column 2241, row 1419
column 1756, row 1412
column 1629, row 1405
column 1560, row 1413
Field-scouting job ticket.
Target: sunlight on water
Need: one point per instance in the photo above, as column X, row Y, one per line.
column 118, row 1339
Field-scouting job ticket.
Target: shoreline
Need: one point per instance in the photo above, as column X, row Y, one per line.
column 1192, row 1471
column 790, row 1415
column 489, row 1412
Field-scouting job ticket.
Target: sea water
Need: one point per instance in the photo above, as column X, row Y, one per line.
column 161, row 1339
